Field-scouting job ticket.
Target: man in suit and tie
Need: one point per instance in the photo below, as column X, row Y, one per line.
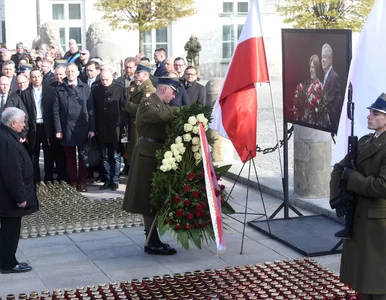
column 38, row 100
column 92, row 71
column 331, row 85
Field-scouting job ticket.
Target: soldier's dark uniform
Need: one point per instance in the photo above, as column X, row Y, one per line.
column 363, row 257
column 139, row 94
column 151, row 120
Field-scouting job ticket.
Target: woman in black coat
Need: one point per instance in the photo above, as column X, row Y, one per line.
column 17, row 189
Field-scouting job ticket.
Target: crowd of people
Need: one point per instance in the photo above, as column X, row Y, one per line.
column 58, row 103
column 71, row 97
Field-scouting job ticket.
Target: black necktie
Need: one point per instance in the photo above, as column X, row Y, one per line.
column 2, row 103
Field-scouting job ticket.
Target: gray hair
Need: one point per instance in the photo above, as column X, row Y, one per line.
column 328, row 49
column 11, row 114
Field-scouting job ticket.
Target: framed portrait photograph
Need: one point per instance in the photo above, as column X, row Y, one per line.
column 315, row 70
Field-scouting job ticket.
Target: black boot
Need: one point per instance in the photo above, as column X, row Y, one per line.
column 155, row 246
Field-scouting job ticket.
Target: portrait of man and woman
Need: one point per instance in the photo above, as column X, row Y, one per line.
column 313, row 87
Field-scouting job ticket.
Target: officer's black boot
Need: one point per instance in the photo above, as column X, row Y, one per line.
column 155, row 246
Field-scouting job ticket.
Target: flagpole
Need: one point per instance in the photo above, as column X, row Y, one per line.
column 276, row 130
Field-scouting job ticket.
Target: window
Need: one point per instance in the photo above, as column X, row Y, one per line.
column 242, row 7
column 228, row 39
column 229, row 8
column 234, row 14
column 270, row 6
column 57, row 11
column 68, row 17
column 153, row 39
column 74, row 11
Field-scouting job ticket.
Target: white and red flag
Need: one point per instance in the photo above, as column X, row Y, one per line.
column 235, row 111
column 367, row 76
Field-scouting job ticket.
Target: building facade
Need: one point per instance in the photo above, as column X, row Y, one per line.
column 217, row 25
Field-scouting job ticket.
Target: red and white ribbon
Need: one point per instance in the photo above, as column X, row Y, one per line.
column 211, row 186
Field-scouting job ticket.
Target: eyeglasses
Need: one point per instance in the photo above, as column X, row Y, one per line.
column 190, row 74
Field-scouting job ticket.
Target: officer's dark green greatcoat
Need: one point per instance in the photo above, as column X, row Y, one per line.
column 139, row 94
column 363, row 262
column 152, row 118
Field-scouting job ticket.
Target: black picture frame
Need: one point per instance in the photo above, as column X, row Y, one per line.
column 309, row 102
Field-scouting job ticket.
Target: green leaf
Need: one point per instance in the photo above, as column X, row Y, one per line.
column 227, row 209
column 222, row 170
column 196, row 238
column 183, row 239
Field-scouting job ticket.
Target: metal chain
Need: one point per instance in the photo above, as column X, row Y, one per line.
column 274, row 148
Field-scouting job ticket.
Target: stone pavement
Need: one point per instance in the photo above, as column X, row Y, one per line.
column 82, row 259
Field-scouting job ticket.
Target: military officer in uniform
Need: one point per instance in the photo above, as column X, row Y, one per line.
column 153, row 115
column 141, row 92
column 363, row 257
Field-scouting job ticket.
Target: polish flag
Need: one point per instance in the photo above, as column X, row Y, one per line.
column 367, row 76
column 235, row 111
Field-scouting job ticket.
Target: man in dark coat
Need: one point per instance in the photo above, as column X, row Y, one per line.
column 153, row 116
column 19, row 54
column 160, row 58
column 331, row 85
column 109, row 99
column 9, row 99
column 196, row 91
column 9, row 70
column 38, row 100
column 363, row 257
column 48, row 75
column 74, row 122
column 17, row 189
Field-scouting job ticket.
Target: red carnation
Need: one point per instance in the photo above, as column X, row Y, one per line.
column 198, row 207
column 222, row 187
column 189, row 216
column 187, row 227
column 176, row 199
column 204, row 205
column 202, row 175
column 203, row 224
column 197, row 213
column 179, row 213
column 217, row 192
column 203, row 189
column 218, row 177
column 195, row 194
column 203, row 214
column 222, row 200
column 166, row 221
column 191, row 175
column 196, row 225
column 186, row 202
column 186, row 188
column 178, row 227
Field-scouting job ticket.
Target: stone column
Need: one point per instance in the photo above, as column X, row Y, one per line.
column 312, row 162
column 223, row 149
